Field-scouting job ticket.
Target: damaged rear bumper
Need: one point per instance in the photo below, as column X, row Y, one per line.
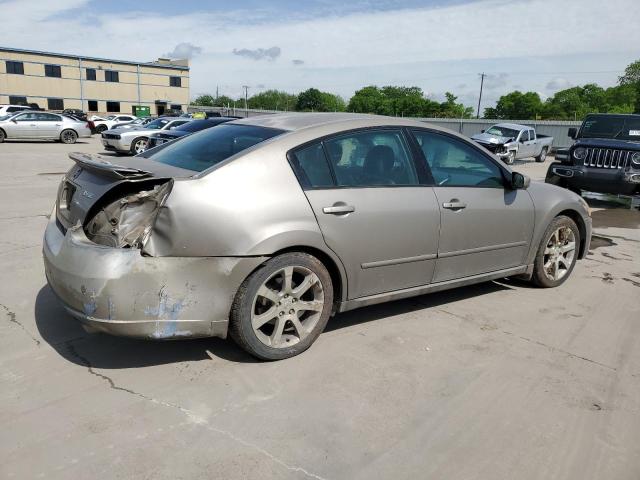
column 121, row 292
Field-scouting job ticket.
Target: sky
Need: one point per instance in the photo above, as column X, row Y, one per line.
column 341, row 46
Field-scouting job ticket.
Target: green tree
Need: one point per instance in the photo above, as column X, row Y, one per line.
column 367, row 100
column 450, row 109
column 205, row 100
column 516, row 105
column 316, row 101
column 631, row 74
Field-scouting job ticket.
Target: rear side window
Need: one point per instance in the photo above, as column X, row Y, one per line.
column 312, row 168
column 209, row 147
column 371, row 158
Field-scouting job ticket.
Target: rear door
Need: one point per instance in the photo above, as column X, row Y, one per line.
column 484, row 226
column 373, row 208
column 48, row 125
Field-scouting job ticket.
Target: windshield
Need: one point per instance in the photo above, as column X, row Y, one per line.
column 157, row 124
column 503, row 132
column 622, row 128
column 111, row 117
column 6, row 117
column 209, row 147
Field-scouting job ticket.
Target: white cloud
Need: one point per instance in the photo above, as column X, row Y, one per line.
column 559, row 83
column 346, row 51
column 184, row 50
column 493, row 82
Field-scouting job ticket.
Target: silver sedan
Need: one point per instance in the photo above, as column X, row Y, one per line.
column 264, row 228
column 43, row 126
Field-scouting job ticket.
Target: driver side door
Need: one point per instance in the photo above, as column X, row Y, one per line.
column 485, row 225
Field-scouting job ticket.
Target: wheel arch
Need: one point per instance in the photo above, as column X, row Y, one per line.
column 582, row 228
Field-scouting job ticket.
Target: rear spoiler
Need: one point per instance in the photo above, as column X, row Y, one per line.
column 98, row 163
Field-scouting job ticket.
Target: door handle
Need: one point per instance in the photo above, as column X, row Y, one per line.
column 339, row 209
column 454, row 204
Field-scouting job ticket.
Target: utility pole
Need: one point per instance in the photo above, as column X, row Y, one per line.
column 482, row 75
column 216, row 92
column 246, row 97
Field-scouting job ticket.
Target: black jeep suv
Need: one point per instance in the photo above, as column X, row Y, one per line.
column 605, row 157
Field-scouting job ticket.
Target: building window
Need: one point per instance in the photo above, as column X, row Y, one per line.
column 55, row 104
column 16, row 68
column 91, row 73
column 175, row 81
column 93, row 105
column 52, row 71
column 177, row 108
column 113, row 106
column 18, row 101
column 111, row 76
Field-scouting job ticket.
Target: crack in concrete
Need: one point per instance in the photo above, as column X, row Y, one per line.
column 195, row 418
column 12, row 319
column 556, row 349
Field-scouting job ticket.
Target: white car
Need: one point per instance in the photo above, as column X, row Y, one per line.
column 43, row 126
column 134, row 140
column 105, row 124
column 7, row 109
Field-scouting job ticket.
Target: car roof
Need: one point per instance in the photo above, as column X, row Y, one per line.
column 300, row 121
column 513, row 126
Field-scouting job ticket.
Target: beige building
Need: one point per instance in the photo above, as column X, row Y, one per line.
column 56, row 81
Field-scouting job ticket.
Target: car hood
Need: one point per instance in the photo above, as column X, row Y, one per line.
column 607, row 143
column 130, row 131
column 489, row 138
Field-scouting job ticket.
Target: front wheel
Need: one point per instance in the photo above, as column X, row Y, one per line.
column 510, row 158
column 2, row 135
column 282, row 307
column 138, row 146
column 68, row 136
column 557, row 253
column 101, row 128
column 543, row 155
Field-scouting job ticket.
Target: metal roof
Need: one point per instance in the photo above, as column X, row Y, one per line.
column 95, row 59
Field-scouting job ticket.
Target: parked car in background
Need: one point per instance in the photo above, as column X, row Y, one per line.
column 605, row 157
column 111, row 120
column 511, row 142
column 76, row 113
column 262, row 228
column 134, row 140
column 137, row 123
column 9, row 109
column 164, row 136
column 43, row 126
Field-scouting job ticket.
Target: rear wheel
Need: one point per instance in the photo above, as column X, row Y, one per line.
column 543, row 155
column 557, row 253
column 101, row 128
column 2, row 135
column 68, row 136
column 282, row 308
column 139, row 145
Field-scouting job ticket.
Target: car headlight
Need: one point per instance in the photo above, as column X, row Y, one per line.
column 635, row 158
column 580, row 153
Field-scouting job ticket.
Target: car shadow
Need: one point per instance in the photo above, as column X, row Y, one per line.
column 12, row 140
column 68, row 338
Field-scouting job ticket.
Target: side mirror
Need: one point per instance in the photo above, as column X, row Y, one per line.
column 14, row 120
column 522, row 140
column 482, row 131
column 573, row 132
column 519, row 181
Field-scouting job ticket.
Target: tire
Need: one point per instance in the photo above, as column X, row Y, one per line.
column 139, row 145
column 68, row 136
column 265, row 299
column 2, row 135
column 543, row 155
column 510, row 158
column 101, row 128
column 547, row 271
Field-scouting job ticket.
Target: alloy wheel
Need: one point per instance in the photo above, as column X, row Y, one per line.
column 140, row 146
column 287, row 307
column 559, row 253
column 68, row 136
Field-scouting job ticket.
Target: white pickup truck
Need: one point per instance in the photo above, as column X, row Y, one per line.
column 511, row 142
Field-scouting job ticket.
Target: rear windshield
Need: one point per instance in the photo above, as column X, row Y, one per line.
column 197, row 125
column 622, row 128
column 209, row 147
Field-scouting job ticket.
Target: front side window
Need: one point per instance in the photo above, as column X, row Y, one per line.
column 55, row 104
column 111, row 76
column 312, row 168
column 453, row 163
column 113, row 107
column 371, row 158
column 26, row 117
column 52, row 71
column 16, row 68
column 91, row 73
column 207, row 148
